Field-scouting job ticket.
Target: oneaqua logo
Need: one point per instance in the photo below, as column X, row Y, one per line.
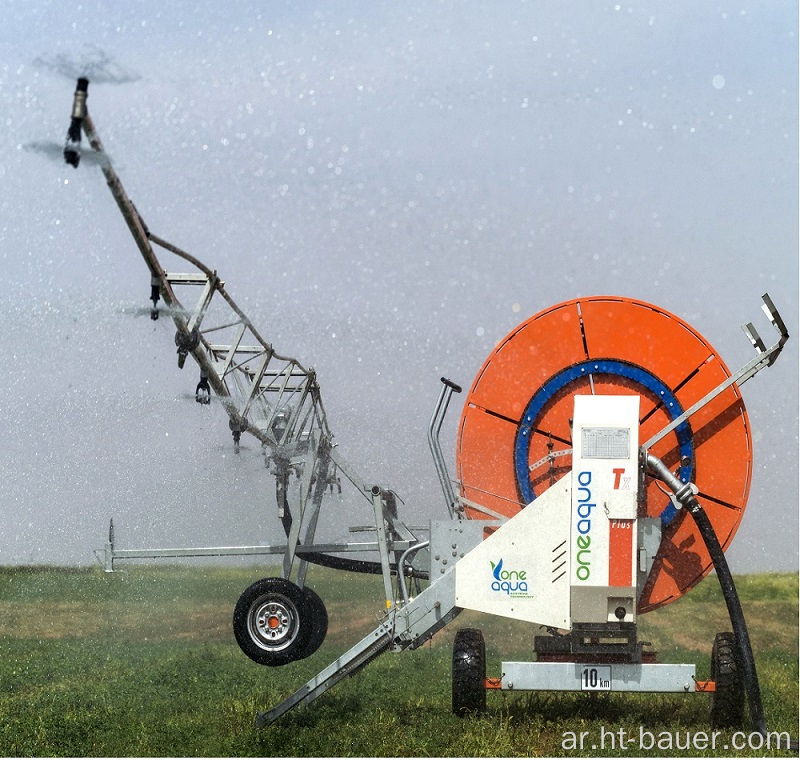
column 508, row 581
column 584, row 539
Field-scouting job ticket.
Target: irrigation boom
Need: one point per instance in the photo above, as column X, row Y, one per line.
column 265, row 394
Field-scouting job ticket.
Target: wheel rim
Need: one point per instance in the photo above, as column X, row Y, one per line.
column 273, row 623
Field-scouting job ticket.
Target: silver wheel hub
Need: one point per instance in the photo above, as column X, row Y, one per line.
column 273, row 623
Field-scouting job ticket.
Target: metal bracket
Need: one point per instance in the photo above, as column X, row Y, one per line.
column 434, row 428
column 405, row 627
column 765, row 358
column 110, row 554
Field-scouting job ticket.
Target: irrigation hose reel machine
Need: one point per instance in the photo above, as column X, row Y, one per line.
column 603, row 465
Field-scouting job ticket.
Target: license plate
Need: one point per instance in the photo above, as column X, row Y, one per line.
column 596, row 678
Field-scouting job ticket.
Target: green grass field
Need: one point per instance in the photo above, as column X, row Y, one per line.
column 144, row 663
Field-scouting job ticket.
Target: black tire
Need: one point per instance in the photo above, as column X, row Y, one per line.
column 270, row 622
column 469, row 672
column 317, row 620
column 727, row 700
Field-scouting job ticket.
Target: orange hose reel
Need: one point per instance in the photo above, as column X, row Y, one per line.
column 514, row 434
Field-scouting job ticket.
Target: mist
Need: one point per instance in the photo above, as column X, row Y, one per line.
column 387, row 190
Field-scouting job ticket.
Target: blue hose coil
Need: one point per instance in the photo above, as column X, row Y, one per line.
column 560, row 380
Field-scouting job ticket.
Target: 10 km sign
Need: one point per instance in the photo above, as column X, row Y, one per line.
column 596, row 678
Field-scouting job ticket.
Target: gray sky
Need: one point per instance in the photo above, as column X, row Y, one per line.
column 378, row 184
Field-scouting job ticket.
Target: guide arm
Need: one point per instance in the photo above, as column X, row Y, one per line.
column 765, row 358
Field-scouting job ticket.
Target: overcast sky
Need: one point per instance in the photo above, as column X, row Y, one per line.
column 387, row 189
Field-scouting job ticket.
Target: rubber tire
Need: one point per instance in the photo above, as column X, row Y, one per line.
column 727, row 700
column 288, row 599
column 317, row 620
column 469, row 672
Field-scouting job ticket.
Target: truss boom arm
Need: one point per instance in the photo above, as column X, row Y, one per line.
column 189, row 325
column 271, row 396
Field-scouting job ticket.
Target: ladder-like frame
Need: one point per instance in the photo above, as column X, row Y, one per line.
column 265, row 394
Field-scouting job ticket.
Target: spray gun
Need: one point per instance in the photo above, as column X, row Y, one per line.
column 72, row 149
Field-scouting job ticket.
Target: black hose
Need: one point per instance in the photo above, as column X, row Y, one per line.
column 685, row 495
column 735, row 613
column 357, row 565
column 737, row 619
column 367, row 567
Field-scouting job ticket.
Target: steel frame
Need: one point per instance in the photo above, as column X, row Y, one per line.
column 627, row 676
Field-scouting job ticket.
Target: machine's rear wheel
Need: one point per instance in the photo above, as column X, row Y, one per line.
column 727, row 700
column 469, row 672
column 271, row 622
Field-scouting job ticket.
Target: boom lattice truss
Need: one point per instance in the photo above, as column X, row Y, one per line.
column 265, row 394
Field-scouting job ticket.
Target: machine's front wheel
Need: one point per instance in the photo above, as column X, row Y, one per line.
column 727, row 699
column 469, row 672
column 270, row 622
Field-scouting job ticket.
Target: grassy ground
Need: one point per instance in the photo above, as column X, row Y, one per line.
column 143, row 663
